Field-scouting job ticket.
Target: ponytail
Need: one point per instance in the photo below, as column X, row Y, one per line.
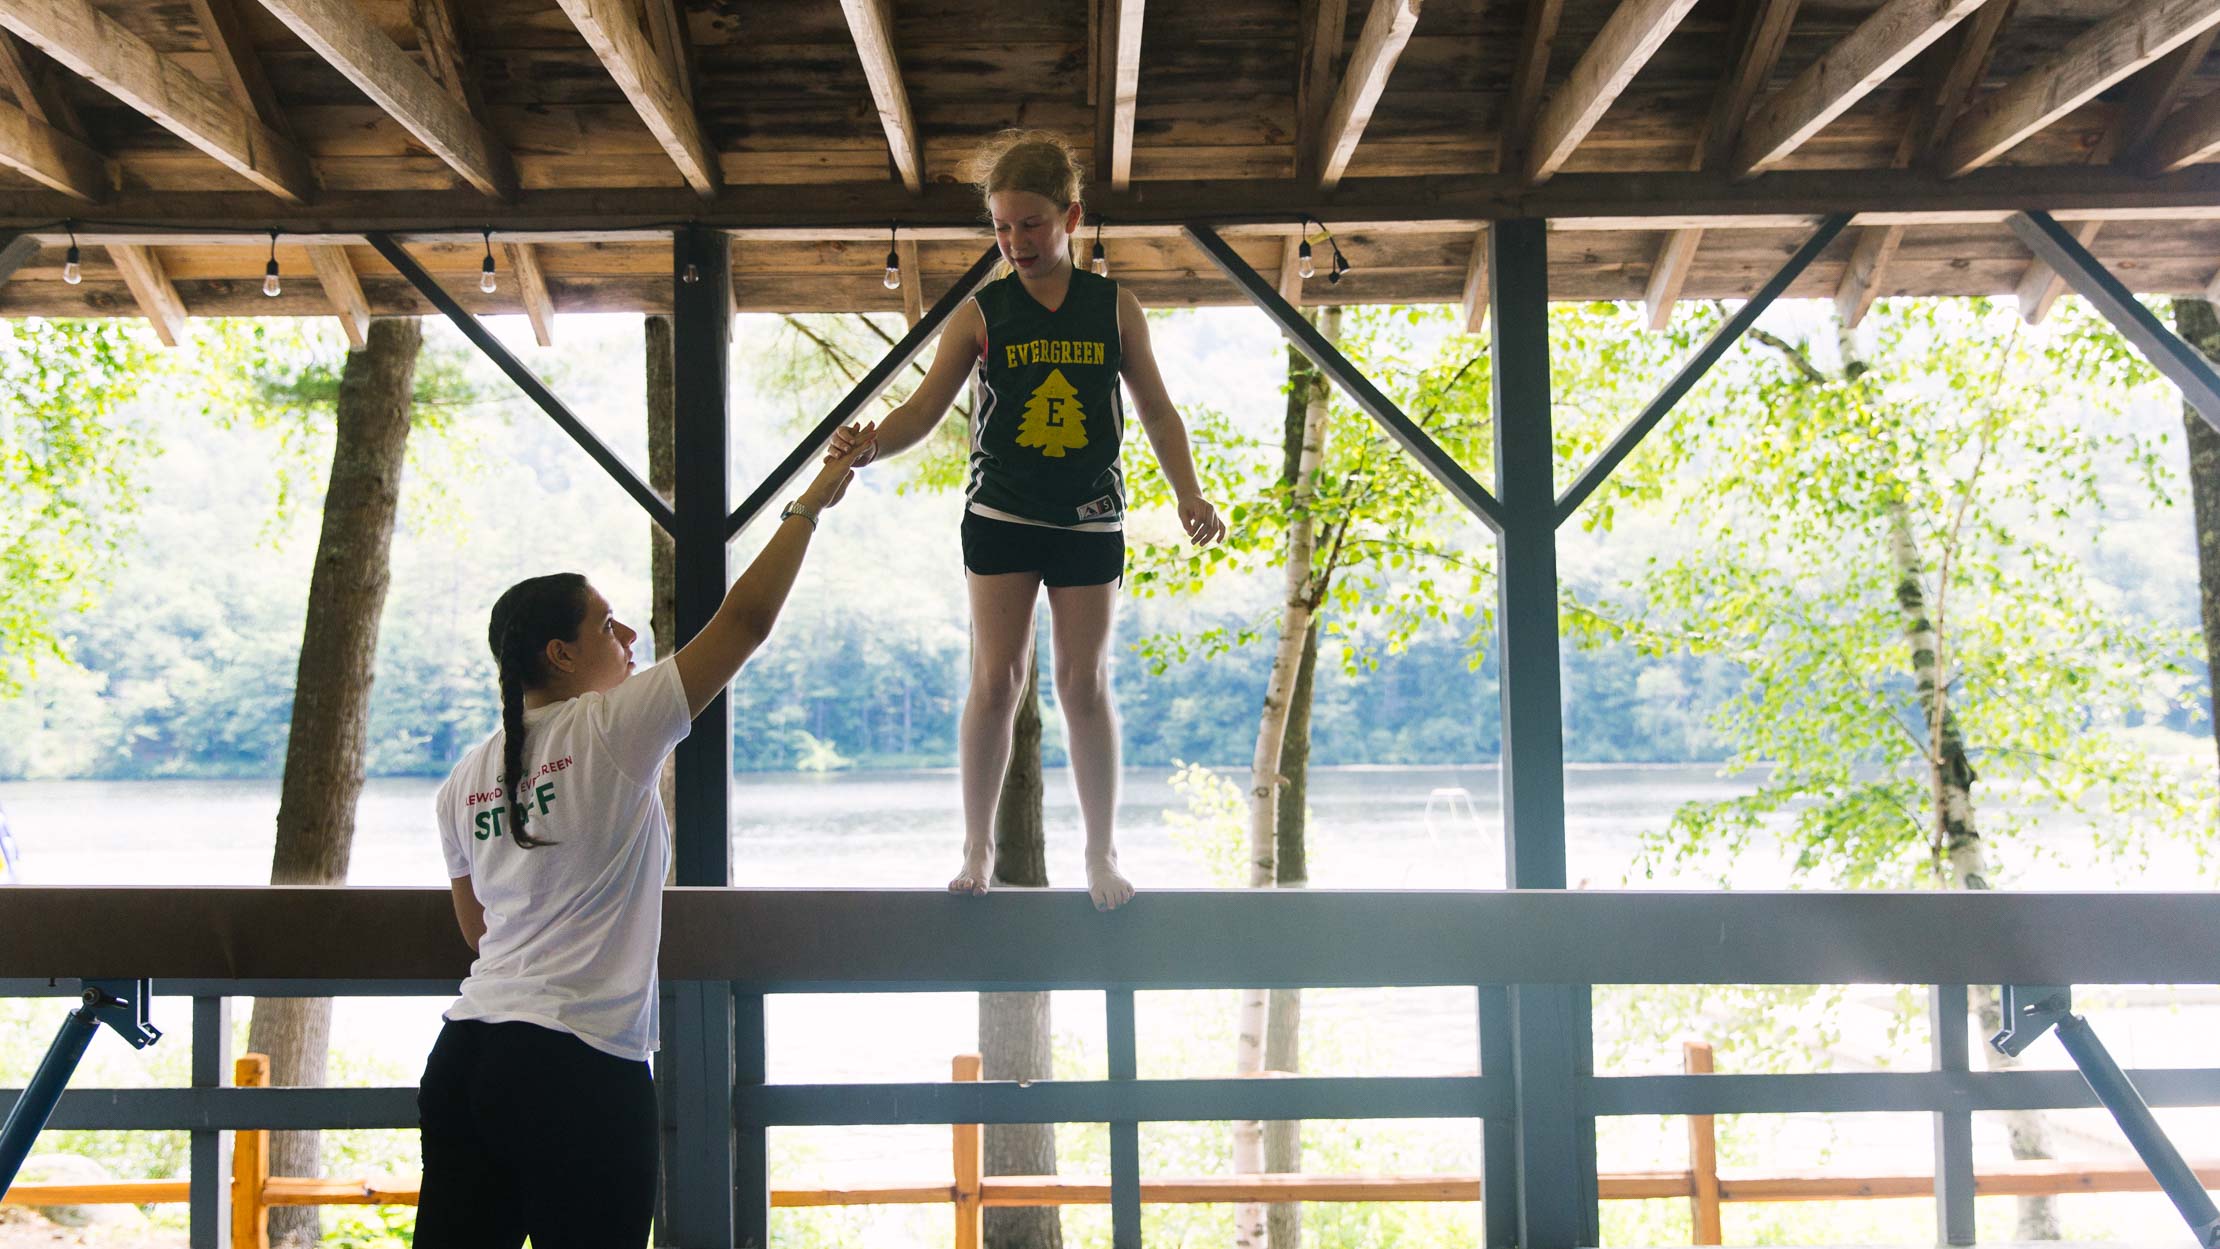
column 526, row 617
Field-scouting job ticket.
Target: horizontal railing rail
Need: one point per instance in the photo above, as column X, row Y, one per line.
column 743, row 945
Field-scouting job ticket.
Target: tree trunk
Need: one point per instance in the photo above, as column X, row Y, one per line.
column 1014, row 1032
column 1283, row 1138
column 2195, row 321
column 1956, row 838
column 331, row 700
column 662, row 435
column 1306, row 429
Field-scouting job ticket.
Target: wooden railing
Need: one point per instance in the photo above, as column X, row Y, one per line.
column 254, row 1190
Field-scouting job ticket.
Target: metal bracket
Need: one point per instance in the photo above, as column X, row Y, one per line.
column 123, row 1005
column 2030, row 1010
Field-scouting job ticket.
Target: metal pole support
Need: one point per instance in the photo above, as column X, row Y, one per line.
column 122, row 1005
column 2031, row 1010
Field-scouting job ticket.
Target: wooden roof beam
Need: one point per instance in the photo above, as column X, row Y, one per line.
column 1861, row 278
column 1628, row 39
column 52, row 157
column 36, row 91
column 1475, row 302
column 341, row 33
column 1387, row 28
column 1529, row 78
column 913, row 281
column 1761, row 30
column 1844, row 74
column 242, row 67
column 100, row 49
column 2189, row 137
column 643, row 73
column 2106, row 53
column 531, row 291
column 336, row 274
column 872, row 27
column 150, row 285
column 1124, row 89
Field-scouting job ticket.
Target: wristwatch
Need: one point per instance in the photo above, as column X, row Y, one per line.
column 794, row 508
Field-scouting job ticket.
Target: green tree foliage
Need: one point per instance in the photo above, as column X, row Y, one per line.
column 1985, row 445
column 71, row 454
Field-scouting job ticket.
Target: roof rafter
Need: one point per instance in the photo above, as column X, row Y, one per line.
column 98, row 48
column 53, row 158
column 1529, row 79
column 1387, row 28
column 531, row 291
column 1844, row 74
column 1123, row 88
column 2188, row 137
column 336, row 274
column 645, row 76
column 1628, row 39
column 913, row 280
column 341, row 33
column 1474, row 302
column 2106, row 53
column 1761, row 30
column 150, row 284
column 872, row 27
column 36, row 91
column 242, row 68
column 1325, row 27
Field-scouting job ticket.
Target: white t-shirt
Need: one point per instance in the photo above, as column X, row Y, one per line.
column 572, row 930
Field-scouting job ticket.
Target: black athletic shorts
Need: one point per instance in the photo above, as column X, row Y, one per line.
column 1063, row 557
column 532, row 1132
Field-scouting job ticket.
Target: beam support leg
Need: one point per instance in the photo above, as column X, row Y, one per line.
column 1555, row 1145
column 699, row 1169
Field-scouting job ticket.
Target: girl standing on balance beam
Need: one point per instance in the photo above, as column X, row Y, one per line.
column 537, row 1110
column 1045, row 498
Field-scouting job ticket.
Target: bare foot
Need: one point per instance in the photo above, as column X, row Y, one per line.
column 977, row 874
column 1109, row 889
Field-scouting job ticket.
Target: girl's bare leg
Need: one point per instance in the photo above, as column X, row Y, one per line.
column 1001, row 639
column 1079, row 620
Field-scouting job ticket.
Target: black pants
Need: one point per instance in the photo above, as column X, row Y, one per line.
column 530, row 1131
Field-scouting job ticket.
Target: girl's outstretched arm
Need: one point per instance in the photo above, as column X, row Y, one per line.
column 709, row 661
column 961, row 340
column 1160, row 419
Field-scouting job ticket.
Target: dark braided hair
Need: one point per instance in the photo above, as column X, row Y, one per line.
column 526, row 617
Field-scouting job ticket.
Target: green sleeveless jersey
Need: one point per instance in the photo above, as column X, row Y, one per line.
column 1051, row 418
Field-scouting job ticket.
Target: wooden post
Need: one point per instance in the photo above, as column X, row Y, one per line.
column 1703, row 1154
column 250, row 1164
column 970, row 1158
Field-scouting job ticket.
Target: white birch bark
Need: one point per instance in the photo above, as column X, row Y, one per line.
column 1264, row 776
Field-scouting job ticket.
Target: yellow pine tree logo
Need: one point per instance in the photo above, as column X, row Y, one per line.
column 1053, row 419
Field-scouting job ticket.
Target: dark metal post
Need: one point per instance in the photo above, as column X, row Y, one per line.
column 1125, row 1135
column 700, row 1173
column 1550, row 1048
column 752, row 1183
column 210, row 1210
column 1946, row 1019
column 1499, row 1162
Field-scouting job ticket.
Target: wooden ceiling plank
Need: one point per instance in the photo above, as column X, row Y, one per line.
column 1669, row 274
column 1844, row 74
column 531, row 290
column 343, row 34
column 1387, row 28
column 2134, row 37
column 1861, row 278
column 1761, row 30
column 872, row 27
column 336, row 274
column 52, row 158
column 1628, row 39
column 142, row 271
column 1125, row 88
column 1474, row 302
column 611, row 28
column 241, row 65
column 98, row 48
column 1529, row 79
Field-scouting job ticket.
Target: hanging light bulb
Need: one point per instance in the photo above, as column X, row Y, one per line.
column 1303, row 262
column 72, row 272
column 893, row 277
column 1341, row 266
column 692, row 274
column 270, row 285
column 485, row 267
column 1100, row 263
